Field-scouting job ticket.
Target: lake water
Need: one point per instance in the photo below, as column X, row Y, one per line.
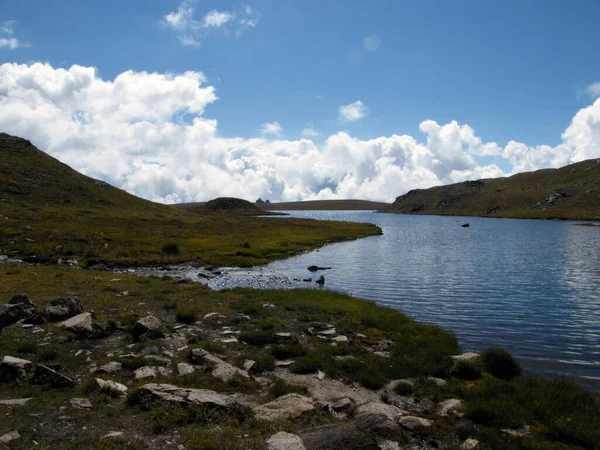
column 530, row 286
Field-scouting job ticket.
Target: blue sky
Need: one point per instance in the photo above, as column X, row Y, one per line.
column 511, row 71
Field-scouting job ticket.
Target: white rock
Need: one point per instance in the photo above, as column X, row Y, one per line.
column 284, row 407
column 413, row 422
column 145, row 372
column 185, row 369
column 468, row 356
column 111, row 367
column 448, row 406
column 320, row 375
column 389, row 445
column 113, row 434
column 285, row 363
column 470, row 444
column 111, row 387
column 285, row 441
column 175, row 394
column 9, row 437
column 15, row 401
column 340, row 339
column 249, row 364
column 329, row 332
column 437, row 381
column 82, row 403
column 390, row 413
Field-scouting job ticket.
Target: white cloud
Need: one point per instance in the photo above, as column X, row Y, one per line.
column 128, row 132
column 7, row 39
column 593, row 90
column 371, row 43
column 354, row 111
column 192, row 31
column 271, row 128
column 309, row 133
column 216, row 19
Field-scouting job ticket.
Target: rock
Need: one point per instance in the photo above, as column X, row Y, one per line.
column 185, row 369
column 320, row 375
column 439, row 382
column 342, row 404
column 341, row 339
column 9, row 437
column 81, row 403
column 15, row 401
column 144, row 373
column 470, row 444
column 285, row 441
column 10, row 314
column 519, row 432
column 328, row 332
column 113, row 434
column 148, row 324
column 413, row 423
column 111, row 387
column 81, row 325
column 320, row 280
column 249, row 364
column 468, row 356
column 13, row 368
column 449, row 406
column 220, row 369
column 388, row 414
column 284, row 407
column 111, row 367
column 465, row 225
column 174, row 394
column 315, row 268
column 163, row 371
column 21, row 299
column 214, row 315
column 197, row 355
column 51, row 377
column 62, row 309
column 389, row 445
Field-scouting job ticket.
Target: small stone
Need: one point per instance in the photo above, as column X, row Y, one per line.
column 320, row 375
column 111, row 367
column 449, row 406
column 341, row 339
column 230, row 340
column 269, row 305
column 439, row 382
column 248, row 364
column 185, row 369
column 12, row 368
column 214, row 315
column 286, row 363
column 113, row 434
column 284, row 407
column 470, row 444
column 145, row 372
column 329, row 332
column 146, row 325
column 342, row 404
column 283, row 335
column 9, row 437
column 285, row 441
column 111, row 387
column 82, row 403
column 413, row 422
column 15, row 401
column 468, row 356
column 389, row 445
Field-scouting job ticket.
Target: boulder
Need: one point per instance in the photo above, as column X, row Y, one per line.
column 285, row 441
column 111, row 387
column 81, row 403
column 413, row 423
column 185, row 369
column 12, row 313
column 174, row 394
column 51, row 377
column 111, row 367
column 62, row 309
column 15, row 401
column 148, row 324
column 82, row 325
column 388, row 414
column 9, row 437
column 21, row 299
column 145, row 372
column 470, row 444
column 14, row 368
column 284, row 407
column 449, row 406
column 220, row 369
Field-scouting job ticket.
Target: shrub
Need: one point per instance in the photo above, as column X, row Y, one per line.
column 185, row 316
column 258, row 338
column 466, row 370
column 170, row 248
column 404, row 388
column 500, row 363
column 280, row 388
column 285, row 351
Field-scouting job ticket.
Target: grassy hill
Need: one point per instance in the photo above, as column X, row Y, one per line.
column 49, row 211
column 324, row 205
column 571, row 192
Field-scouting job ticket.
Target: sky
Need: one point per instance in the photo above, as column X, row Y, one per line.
column 187, row 100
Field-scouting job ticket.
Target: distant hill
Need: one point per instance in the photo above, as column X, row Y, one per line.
column 571, row 192
column 325, row 205
column 223, row 204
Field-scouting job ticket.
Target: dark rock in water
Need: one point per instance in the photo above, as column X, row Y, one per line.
column 315, row 268
column 62, row 309
column 320, row 280
column 307, row 280
column 465, row 225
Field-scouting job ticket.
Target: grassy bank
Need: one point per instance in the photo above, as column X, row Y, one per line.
column 495, row 396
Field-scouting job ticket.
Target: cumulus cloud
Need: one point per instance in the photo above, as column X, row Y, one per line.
column 593, row 90
column 271, row 128
column 371, row 43
column 7, row 39
column 147, row 133
column 354, row 111
column 191, row 30
column 309, row 133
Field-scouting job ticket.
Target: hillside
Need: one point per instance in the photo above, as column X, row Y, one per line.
column 224, row 205
column 571, row 192
column 50, row 212
column 324, row 205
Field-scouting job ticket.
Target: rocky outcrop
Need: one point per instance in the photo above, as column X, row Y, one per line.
column 285, row 407
column 174, row 394
column 220, row 369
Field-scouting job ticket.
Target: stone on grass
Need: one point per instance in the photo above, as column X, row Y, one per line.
column 413, row 423
column 248, row 365
column 185, row 369
column 81, row 403
column 285, row 407
column 145, row 372
column 220, row 369
column 388, row 414
column 9, row 437
column 470, row 444
column 13, row 368
column 174, row 394
column 82, row 325
column 341, row 339
column 148, row 324
column 14, row 401
column 113, row 434
column 62, row 309
column 10, row 314
column 111, row 367
column 285, row 441
column 111, row 387
column 21, row 298
column 449, row 406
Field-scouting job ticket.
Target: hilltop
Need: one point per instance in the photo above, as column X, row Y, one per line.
column 325, row 205
column 571, row 192
column 50, row 212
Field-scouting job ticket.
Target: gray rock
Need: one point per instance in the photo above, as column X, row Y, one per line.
column 81, row 403
column 284, row 407
column 10, row 314
column 174, row 394
column 113, row 434
column 148, row 324
column 470, row 444
column 49, row 376
column 82, row 325
column 413, row 423
column 286, row 363
column 249, row 364
column 13, row 368
column 285, row 441
column 342, row 404
column 15, row 401
column 23, row 299
column 448, row 406
column 111, row 387
column 388, row 414
column 220, row 369
column 437, row 381
column 145, row 372
column 62, row 309
column 185, row 369
column 111, row 367
column 341, row 339
column 523, row 432
column 468, row 356
column 9, row 437
column 389, row 445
